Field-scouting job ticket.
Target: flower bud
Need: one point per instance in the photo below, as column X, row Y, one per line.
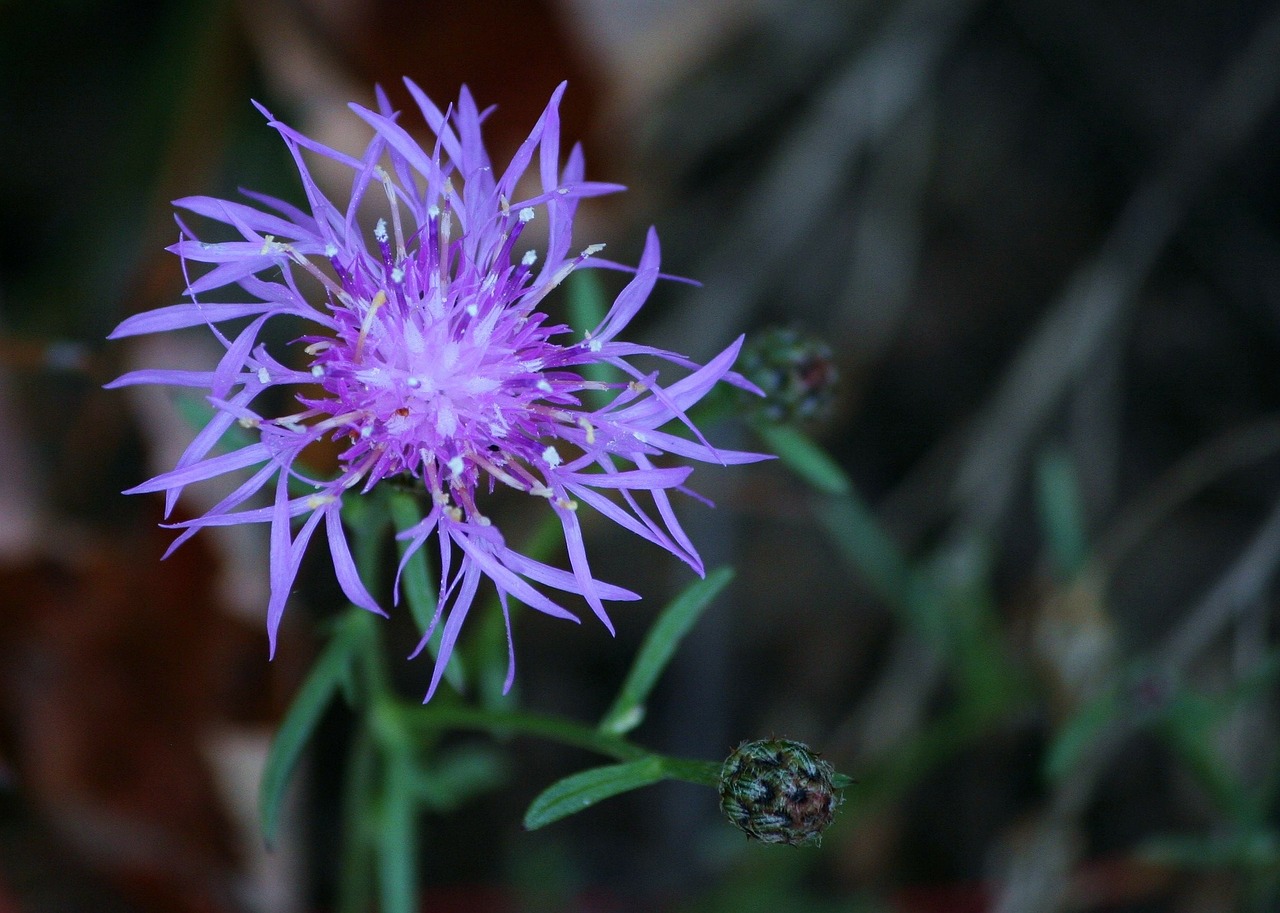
column 796, row 372
column 778, row 791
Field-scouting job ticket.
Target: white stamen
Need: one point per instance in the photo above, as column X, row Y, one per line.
column 527, row 214
column 331, row 249
column 530, row 257
column 264, row 376
column 551, row 457
column 397, row 275
column 543, row 385
column 317, row 370
column 380, row 231
column 456, row 466
column 413, row 382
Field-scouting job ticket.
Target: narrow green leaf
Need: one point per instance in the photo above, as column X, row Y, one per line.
column 1061, row 512
column 458, row 774
column 397, row 856
column 660, row 644
column 358, row 832
column 871, row 552
column 804, row 457
column 583, row 790
column 1252, row 849
column 1189, row 726
column 326, row 677
column 1079, row 733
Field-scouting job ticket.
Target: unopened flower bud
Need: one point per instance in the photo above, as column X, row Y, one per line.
column 796, row 372
column 778, row 791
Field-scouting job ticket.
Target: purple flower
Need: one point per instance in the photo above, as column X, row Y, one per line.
column 430, row 359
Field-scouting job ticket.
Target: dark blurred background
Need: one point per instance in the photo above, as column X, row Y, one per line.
column 1041, row 240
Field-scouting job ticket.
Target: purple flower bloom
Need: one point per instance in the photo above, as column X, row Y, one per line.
column 430, row 359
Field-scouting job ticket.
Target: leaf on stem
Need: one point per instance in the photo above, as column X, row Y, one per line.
column 660, row 644
column 1061, row 512
column 327, row 676
column 804, row 457
column 583, row 790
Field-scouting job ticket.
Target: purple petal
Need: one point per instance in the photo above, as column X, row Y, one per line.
column 343, row 564
column 169, row 378
column 578, row 561
column 635, row 294
column 181, row 316
column 453, row 624
column 214, row 466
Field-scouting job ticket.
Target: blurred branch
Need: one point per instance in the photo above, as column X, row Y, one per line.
column 1238, row 448
column 856, row 111
column 1242, row 586
column 1097, row 297
column 1090, row 309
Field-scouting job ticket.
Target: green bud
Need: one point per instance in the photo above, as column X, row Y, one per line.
column 778, row 791
column 796, row 372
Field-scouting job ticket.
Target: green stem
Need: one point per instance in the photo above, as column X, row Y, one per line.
column 354, row 882
column 430, row 718
column 381, row 804
column 396, row 840
column 703, row 773
column 433, row 717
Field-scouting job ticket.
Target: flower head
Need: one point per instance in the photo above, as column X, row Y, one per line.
column 778, row 791
column 428, row 358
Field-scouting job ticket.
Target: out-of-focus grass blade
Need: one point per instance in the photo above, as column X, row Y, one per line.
column 804, row 457
column 397, row 856
column 1061, row 512
column 326, row 677
column 660, row 644
column 583, row 790
column 1079, row 733
column 1189, row 726
column 459, row 774
column 1251, row 849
